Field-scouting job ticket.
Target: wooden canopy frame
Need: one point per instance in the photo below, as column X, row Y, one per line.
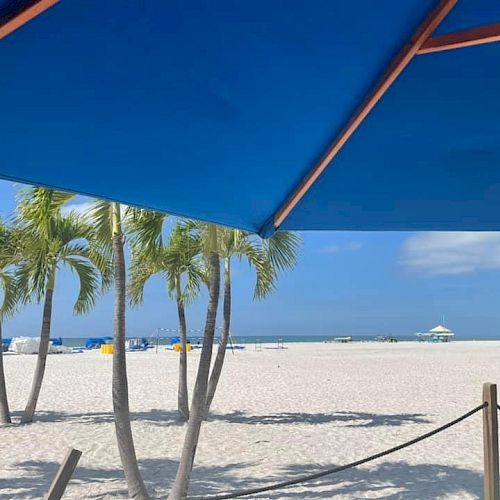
column 422, row 42
column 33, row 9
column 467, row 38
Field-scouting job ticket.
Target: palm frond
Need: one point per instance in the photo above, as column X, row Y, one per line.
column 10, row 295
column 179, row 261
column 145, row 228
column 142, row 268
column 101, row 256
column 266, row 275
column 8, row 246
column 195, row 277
column 282, row 249
column 44, row 238
column 34, row 265
column 89, row 282
column 269, row 258
column 37, row 206
column 101, row 217
column 25, row 288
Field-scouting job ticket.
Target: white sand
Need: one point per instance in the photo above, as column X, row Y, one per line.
column 277, row 414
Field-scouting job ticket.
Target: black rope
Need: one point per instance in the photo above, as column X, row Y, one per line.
column 317, row 475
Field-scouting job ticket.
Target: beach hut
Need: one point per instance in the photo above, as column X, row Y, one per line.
column 437, row 334
column 441, row 334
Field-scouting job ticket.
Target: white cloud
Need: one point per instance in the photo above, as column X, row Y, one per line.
column 82, row 208
column 79, row 208
column 441, row 253
column 350, row 246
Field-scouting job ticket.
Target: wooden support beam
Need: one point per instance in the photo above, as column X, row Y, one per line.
column 395, row 69
column 490, row 442
column 467, row 38
column 58, row 486
column 24, row 16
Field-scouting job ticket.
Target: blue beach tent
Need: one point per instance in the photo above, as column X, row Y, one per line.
column 325, row 114
column 96, row 342
column 5, row 344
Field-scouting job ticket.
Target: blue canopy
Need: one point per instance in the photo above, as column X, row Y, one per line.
column 96, row 342
column 218, row 110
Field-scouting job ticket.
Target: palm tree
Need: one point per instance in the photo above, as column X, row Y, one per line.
column 7, row 307
column 268, row 258
column 48, row 240
column 179, row 263
column 107, row 219
column 151, row 241
column 5, row 283
column 181, row 484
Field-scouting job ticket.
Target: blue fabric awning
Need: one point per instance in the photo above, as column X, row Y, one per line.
column 217, row 110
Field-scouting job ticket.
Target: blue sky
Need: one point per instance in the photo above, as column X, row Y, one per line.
column 345, row 283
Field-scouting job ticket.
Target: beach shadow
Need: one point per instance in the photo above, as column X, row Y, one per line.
column 158, row 475
column 389, row 480
column 153, row 416
column 168, row 418
column 353, row 419
column 360, row 419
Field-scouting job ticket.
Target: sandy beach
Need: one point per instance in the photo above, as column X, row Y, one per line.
column 277, row 414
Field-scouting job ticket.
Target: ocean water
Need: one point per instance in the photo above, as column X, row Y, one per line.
column 274, row 339
column 248, row 339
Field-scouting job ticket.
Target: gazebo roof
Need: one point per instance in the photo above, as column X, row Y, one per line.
column 440, row 329
column 260, row 115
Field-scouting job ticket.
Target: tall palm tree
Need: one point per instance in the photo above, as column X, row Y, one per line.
column 268, row 258
column 48, row 240
column 198, row 406
column 107, row 219
column 152, row 241
column 6, row 284
column 179, row 263
column 7, row 307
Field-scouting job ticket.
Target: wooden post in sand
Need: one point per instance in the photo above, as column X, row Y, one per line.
column 490, row 442
column 58, row 486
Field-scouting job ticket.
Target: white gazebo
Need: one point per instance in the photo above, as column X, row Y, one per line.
column 438, row 334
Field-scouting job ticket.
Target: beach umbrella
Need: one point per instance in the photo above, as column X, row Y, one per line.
column 262, row 115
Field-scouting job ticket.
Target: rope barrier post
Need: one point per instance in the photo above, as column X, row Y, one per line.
column 490, row 442
column 64, row 474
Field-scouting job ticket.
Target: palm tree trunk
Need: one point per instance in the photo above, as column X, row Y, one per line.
column 43, row 350
column 182, row 394
column 4, row 402
column 136, row 487
column 181, row 484
column 221, row 352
